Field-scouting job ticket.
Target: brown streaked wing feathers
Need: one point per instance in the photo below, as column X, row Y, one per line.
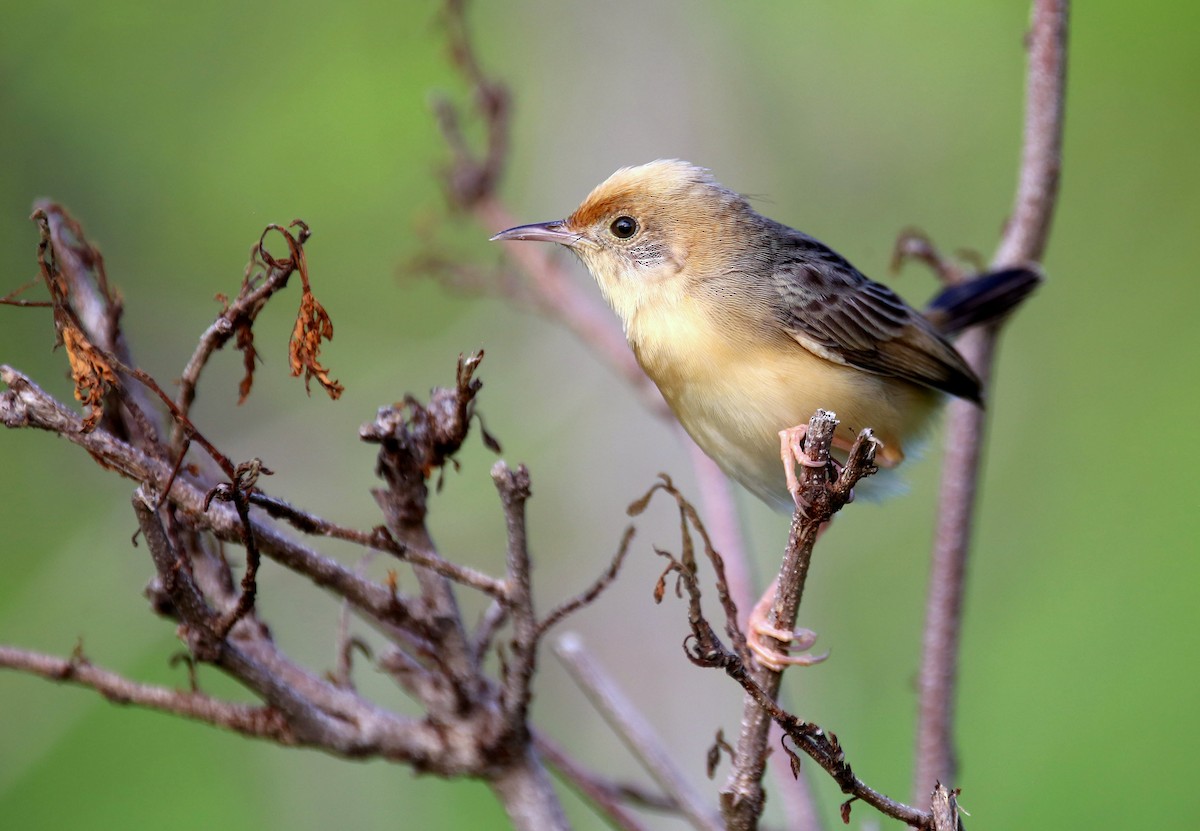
column 855, row 321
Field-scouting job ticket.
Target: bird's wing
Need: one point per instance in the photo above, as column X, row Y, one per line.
column 831, row 309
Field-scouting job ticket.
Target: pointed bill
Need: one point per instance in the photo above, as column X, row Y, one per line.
column 555, row 231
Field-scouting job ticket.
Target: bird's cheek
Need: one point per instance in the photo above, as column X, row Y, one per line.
column 660, row 260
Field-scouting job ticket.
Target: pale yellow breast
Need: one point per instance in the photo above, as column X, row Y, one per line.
column 734, row 387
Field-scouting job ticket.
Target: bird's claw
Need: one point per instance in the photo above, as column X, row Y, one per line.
column 775, row 653
column 791, row 453
column 775, row 656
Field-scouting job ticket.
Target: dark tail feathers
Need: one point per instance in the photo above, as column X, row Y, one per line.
column 982, row 299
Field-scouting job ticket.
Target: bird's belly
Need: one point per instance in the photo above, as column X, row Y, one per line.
column 735, row 401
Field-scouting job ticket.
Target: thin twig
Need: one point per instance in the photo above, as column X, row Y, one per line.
column 516, row 693
column 721, row 521
column 705, row 649
column 25, row 404
column 258, row 286
column 634, row 731
column 380, row 539
column 13, row 298
column 346, row 643
column 493, row 617
column 608, row 798
column 574, row 604
column 1024, row 241
column 248, row 720
column 743, row 796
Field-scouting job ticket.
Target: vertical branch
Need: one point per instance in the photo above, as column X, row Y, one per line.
column 742, row 798
column 1024, row 240
column 515, row 489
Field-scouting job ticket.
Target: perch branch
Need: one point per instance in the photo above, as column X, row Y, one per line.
column 705, row 649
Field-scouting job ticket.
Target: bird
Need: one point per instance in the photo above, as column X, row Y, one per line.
column 748, row 326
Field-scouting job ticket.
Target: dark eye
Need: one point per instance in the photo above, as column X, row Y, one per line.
column 623, row 227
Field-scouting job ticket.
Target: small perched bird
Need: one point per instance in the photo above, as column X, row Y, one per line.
column 748, row 326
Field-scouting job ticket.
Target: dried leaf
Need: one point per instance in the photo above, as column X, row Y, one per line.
column 245, row 344
column 91, row 372
column 660, row 588
column 312, row 326
column 90, row 369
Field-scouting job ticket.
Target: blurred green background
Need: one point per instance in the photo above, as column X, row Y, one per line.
column 175, row 132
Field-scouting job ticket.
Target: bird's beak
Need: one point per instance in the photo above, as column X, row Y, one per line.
column 542, row 232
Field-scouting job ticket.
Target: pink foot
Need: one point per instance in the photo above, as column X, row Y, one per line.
column 774, row 654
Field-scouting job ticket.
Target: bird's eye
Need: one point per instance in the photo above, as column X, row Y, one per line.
column 623, row 227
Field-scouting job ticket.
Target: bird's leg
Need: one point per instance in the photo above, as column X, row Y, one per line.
column 791, row 453
column 775, row 656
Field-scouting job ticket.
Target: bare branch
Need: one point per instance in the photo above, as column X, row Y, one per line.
column 609, row 797
column 248, row 720
column 13, row 298
column 25, row 404
column 743, row 798
column 414, row 440
column 377, row 539
column 472, row 177
column 634, row 732
column 524, row 788
column 822, row 498
column 260, row 283
column 1024, row 241
column 574, row 604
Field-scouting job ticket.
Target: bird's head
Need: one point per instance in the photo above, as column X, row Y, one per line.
column 647, row 231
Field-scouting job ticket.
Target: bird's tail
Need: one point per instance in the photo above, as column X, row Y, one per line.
column 982, row 299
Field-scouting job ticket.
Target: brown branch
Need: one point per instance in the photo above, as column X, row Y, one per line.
column 13, row 298
column 516, row 692
column 609, row 797
column 89, row 311
column 1024, row 241
column 470, row 176
column 493, row 617
column 415, row 440
column 743, row 798
column 634, row 732
column 246, row 719
column 378, row 539
column 705, row 648
column 259, row 284
column 523, row 786
column 315, row 710
column 25, row 404
column 244, row 480
column 588, row 595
